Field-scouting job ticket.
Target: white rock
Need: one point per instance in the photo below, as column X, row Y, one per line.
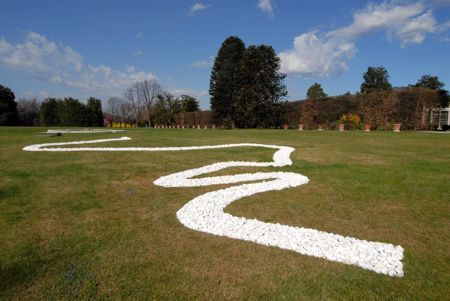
column 205, row 212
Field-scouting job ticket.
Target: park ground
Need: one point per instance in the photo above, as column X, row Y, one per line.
column 93, row 225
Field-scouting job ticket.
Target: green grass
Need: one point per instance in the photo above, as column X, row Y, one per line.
column 93, row 226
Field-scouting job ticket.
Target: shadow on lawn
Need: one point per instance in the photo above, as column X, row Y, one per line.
column 22, row 269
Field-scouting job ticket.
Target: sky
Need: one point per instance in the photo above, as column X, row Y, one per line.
column 99, row 48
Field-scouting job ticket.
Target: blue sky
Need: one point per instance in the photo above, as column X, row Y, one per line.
column 83, row 48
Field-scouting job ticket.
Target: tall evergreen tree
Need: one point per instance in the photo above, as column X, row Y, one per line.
column 222, row 85
column 94, row 112
column 375, row 79
column 315, row 91
column 8, row 107
column 50, row 112
column 257, row 101
column 72, row 113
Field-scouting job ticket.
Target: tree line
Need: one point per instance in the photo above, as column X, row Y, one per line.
column 71, row 112
column 144, row 103
column 410, row 106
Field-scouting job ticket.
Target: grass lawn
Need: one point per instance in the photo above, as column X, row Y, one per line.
column 93, row 226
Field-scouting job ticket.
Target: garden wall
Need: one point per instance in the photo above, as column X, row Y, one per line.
column 408, row 106
column 380, row 109
column 193, row 119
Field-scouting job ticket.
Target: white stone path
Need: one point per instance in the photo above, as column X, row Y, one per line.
column 205, row 212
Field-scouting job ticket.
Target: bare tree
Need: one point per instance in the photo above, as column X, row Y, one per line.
column 147, row 91
column 28, row 110
column 132, row 98
column 113, row 105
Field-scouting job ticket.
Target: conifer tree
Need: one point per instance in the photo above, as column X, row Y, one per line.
column 94, row 112
column 8, row 107
column 375, row 79
column 258, row 100
column 223, row 84
column 315, row 91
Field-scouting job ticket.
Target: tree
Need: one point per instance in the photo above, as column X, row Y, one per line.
column 222, row 85
column 375, row 79
column 94, row 113
column 315, row 91
column 134, row 102
column 258, row 100
column 72, row 112
column 8, row 107
column 113, row 105
column 50, row 112
column 165, row 108
column 430, row 82
column 28, row 110
column 189, row 104
column 147, row 91
column 444, row 98
column 141, row 97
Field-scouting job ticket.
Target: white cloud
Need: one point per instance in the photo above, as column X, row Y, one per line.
column 414, row 31
column 313, row 56
column 266, row 6
column 201, row 64
column 204, row 63
column 198, row 7
column 139, row 35
column 408, row 23
column 138, row 53
column 56, row 63
column 328, row 53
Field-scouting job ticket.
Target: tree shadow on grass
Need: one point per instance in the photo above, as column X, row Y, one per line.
column 20, row 270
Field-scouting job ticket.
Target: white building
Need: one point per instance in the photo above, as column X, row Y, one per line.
column 441, row 118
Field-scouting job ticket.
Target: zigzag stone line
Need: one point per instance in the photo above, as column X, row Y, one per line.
column 205, row 213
